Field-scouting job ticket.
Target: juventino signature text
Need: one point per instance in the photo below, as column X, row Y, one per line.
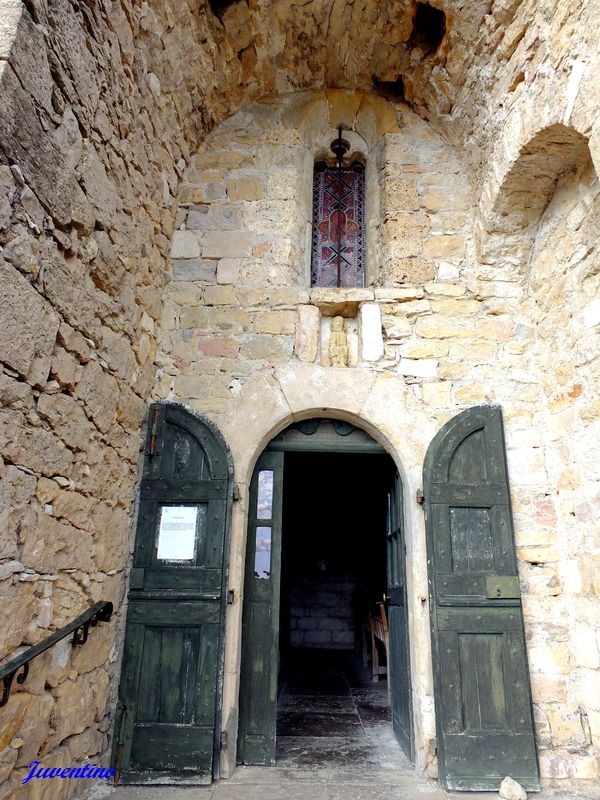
column 87, row 771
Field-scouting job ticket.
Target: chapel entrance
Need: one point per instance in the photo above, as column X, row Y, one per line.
column 325, row 625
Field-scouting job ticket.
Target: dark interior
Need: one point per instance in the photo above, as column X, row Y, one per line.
column 334, row 547
column 333, row 570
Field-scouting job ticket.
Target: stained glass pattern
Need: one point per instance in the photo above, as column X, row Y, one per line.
column 338, row 226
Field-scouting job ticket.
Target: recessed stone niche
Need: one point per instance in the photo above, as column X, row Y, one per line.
column 362, row 326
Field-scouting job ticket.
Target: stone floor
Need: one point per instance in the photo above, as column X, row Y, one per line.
column 334, row 742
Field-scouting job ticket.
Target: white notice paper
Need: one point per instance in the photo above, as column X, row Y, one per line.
column 177, row 533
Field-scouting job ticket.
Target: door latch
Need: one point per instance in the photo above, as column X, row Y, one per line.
column 502, row 587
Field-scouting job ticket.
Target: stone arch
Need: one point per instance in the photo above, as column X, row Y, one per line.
column 531, row 180
column 383, row 409
column 522, row 190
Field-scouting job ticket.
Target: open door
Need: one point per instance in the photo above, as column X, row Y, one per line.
column 168, row 722
column 399, row 666
column 260, row 626
column 482, row 691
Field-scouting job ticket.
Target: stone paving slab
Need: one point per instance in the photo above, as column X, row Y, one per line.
column 273, row 783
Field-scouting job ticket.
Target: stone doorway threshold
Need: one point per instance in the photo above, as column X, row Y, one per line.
column 335, row 742
column 275, row 783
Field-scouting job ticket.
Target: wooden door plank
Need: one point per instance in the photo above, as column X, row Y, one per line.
column 482, row 693
column 260, row 626
column 173, row 665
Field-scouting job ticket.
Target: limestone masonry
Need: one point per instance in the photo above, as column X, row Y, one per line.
column 155, row 214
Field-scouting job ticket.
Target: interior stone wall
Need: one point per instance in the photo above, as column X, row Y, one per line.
column 322, row 612
column 102, row 106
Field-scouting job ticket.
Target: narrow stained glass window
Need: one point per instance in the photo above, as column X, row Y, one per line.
column 338, row 226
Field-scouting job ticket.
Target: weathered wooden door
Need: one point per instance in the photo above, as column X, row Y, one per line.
column 167, row 728
column 399, row 666
column 260, row 627
column 482, row 692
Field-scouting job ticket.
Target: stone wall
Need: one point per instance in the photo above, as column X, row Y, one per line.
column 460, row 312
column 102, row 106
column 322, row 612
column 91, row 149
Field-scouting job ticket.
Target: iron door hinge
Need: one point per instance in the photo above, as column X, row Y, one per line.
column 230, row 597
column 153, row 432
column 224, row 740
column 236, row 492
column 420, row 497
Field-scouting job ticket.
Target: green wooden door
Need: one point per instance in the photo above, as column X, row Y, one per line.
column 169, row 705
column 260, row 627
column 482, row 691
column 399, row 666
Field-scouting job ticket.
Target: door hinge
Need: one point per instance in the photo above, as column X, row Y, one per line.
column 420, row 497
column 236, row 492
column 153, row 432
column 230, row 597
column 224, row 740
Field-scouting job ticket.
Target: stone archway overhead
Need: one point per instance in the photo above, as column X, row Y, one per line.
column 530, row 181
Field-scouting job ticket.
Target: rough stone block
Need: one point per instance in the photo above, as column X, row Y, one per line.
column 444, row 247
column 228, row 271
column 19, row 604
column 275, row 322
column 308, row 323
column 437, row 394
column 213, row 217
column 185, row 244
column 220, row 296
column 473, row 351
column 29, row 326
column 370, row 333
column 497, row 329
column 65, row 368
column 456, row 307
column 226, row 244
column 402, row 293
column 67, row 419
column 400, row 194
column 245, row 189
column 424, row 348
column 34, row 448
column 408, row 270
column 268, row 348
column 100, row 393
column 473, row 393
column 218, row 347
column 421, row 368
column 50, row 546
column 195, row 269
column 396, row 327
column 74, row 342
column 440, row 327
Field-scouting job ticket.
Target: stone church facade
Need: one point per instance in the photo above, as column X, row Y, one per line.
column 156, row 194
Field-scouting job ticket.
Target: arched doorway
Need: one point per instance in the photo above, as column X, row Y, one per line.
column 325, row 549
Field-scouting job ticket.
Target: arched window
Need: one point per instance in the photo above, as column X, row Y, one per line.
column 338, row 233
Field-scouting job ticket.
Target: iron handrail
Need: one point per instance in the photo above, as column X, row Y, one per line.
column 99, row 612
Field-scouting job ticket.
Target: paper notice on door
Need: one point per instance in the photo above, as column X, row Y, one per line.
column 177, row 533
